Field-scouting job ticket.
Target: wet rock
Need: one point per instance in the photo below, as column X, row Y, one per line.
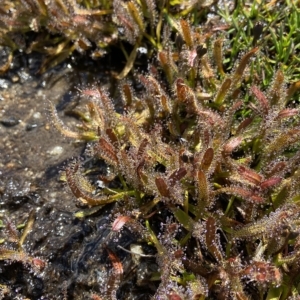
column 10, row 122
column 32, row 126
column 4, row 83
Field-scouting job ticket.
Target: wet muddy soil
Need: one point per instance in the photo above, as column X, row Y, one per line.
column 62, row 257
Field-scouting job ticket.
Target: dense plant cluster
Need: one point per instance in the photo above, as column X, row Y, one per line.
column 56, row 28
column 202, row 163
column 209, row 179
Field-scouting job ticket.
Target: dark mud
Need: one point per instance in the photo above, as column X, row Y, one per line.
column 75, row 252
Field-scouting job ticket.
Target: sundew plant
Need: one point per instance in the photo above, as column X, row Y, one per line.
column 203, row 166
column 199, row 154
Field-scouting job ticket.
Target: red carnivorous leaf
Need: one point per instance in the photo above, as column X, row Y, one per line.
column 117, row 265
column 249, row 175
column 263, row 101
column 162, row 187
column 207, row 159
column 288, row 112
column 211, row 242
column 142, row 148
column 119, row 222
column 186, row 32
column 177, row 175
column 244, row 124
column 106, row 151
column 231, row 145
column 270, row 182
column 202, row 186
column 243, row 64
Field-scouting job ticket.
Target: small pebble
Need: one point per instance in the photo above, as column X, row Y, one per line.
column 4, row 84
column 15, row 78
column 55, row 151
column 37, row 115
column 10, row 122
column 30, row 127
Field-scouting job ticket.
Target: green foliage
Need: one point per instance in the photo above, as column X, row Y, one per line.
column 219, row 173
column 271, row 25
